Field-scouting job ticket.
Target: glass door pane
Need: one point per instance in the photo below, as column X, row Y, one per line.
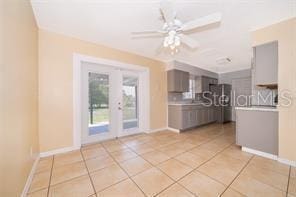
column 98, row 103
column 130, row 102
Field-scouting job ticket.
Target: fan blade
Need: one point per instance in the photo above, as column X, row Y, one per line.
column 148, row 32
column 189, row 41
column 143, row 36
column 167, row 10
column 203, row 21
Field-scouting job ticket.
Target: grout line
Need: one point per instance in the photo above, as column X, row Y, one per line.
column 238, row 174
column 193, row 168
column 51, row 170
column 288, row 181
column 154, row 166
column 129, row 177
column 129, row 148
column 91, row 181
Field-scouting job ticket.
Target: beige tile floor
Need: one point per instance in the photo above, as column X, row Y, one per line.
column 200, row 162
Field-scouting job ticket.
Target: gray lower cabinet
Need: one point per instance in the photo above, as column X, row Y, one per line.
column 188, row 116
column 257, row 130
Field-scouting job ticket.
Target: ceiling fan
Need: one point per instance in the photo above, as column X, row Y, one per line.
column 173, row 29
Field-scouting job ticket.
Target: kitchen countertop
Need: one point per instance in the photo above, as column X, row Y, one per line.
column 259, row 108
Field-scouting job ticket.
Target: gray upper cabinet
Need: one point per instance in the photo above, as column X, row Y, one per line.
column 202, row 83
column 266, row 64
column 178, row 81
column 198, row 84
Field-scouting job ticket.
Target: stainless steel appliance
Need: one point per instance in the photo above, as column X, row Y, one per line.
column 221, row 95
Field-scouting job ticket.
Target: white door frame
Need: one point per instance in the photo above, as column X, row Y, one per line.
column 77, row 92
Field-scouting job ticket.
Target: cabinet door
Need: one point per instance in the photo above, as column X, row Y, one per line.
column 211, row 114
column 185, row 81
column 185, row 119
column 266, row 63
column 198, row 84
column 199, row 117
column 193, row 118
column 205, row 84
column 203, row 115
column 170, row 81
column 174, row 81
column 207, row 115
column 177, row 81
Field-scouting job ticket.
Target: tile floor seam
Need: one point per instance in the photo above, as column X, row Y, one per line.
column 273, row 172
column 238, row 174
column 68, row 164
column 68, row 180
column 156, row 166
column 112, row 185
column 91, row 181
column 190, row 171
column 194, row 148
column 211, row 178
column 269, row 169
column 145, row 159
column 174, row 182
column 102, row 167
column 129, row 177
column 51, row 171
column 236, row 191
column 165, row 136
column 194, row 169
column 287, row 192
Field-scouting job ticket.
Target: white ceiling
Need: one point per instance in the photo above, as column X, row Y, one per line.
column 109, row 22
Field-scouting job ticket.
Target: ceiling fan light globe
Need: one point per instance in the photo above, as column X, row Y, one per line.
column 165, row 44
column 177, row 22
column 172, row 33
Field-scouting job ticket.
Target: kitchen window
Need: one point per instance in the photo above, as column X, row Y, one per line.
column 191, row 94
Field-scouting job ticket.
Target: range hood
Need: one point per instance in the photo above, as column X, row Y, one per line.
column 269, row 86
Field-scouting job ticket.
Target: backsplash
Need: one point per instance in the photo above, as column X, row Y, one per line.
column 178, row 97
column 175, row 97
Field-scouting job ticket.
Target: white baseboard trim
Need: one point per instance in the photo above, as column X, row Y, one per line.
column 156, row 130
column 269, row 156
column 58, row 151
column 259, row 153
column 30, row 177
column 174, row 130
column 286, row 161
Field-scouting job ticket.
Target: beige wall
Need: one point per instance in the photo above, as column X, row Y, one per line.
column 285, row 33
column 56, row 83
column 18, row 95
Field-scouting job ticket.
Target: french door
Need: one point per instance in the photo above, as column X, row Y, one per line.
column 110, row 102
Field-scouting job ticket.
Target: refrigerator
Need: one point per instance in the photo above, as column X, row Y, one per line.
column 222, row 103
